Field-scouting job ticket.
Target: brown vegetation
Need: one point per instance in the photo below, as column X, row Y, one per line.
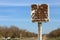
column 54, row 33
column 14, row 31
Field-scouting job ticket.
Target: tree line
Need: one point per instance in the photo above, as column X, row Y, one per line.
column 54, row 33
column 15, row 32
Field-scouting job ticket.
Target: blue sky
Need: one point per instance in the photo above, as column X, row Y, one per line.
column 17, row 12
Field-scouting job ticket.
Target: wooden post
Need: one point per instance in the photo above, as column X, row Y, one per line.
column 39, row 31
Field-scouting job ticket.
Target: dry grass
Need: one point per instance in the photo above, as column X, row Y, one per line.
column 29, row 39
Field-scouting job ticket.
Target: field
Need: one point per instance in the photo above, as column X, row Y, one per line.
column 31, row 39
column 57, row 38
column 20, row 39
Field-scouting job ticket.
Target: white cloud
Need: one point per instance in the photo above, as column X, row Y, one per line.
column 9, row 4
column 27, row 3
column 4, row 16
column 9, row 18
column 55, row 20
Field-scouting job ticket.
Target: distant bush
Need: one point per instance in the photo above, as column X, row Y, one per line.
column 14, row 31
column 54, row 33
column 57, row 38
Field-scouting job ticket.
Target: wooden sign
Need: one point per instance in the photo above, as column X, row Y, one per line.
column 39, row 13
